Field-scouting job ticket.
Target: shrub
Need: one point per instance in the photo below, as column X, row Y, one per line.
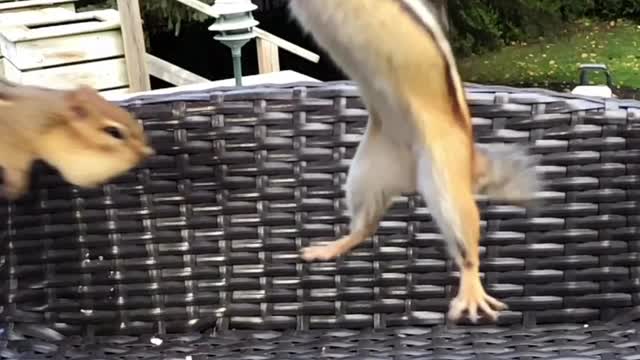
column 481, row 25
column 484, row 25
column 615, row 9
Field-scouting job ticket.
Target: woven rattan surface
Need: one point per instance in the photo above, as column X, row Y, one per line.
column 566, row 342
column 204, row 238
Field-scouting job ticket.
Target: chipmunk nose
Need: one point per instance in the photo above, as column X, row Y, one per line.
column 148, row 151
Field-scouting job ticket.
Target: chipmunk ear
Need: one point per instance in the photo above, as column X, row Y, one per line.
column 76, row 102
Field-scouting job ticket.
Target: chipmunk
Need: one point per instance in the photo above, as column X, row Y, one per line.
column 86, row 138
column 419, row 135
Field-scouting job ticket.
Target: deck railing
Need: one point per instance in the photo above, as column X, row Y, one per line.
column 141, row 64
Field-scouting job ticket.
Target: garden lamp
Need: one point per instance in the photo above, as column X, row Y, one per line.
column 235, row 27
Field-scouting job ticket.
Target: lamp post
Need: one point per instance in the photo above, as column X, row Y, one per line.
column 235, row 27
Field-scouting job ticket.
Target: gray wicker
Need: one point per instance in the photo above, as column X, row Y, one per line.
column 194, row 255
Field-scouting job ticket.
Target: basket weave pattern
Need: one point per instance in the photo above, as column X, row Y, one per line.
column 203, row 238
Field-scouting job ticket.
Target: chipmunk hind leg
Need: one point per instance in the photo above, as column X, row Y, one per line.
column 445, row 181
column 379, row 171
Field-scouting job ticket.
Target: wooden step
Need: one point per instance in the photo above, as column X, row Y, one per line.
column 65, row 50
column 18, row 6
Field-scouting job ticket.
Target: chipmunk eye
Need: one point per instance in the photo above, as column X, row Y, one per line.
column 114, row 132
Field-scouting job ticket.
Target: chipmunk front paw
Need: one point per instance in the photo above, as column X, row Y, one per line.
column 322, row 253
column 15, row 184
column 331, row 250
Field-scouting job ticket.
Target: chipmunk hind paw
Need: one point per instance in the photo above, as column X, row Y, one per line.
column 473, row 300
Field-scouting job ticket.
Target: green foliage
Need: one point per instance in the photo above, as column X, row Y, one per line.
column 90, row 5
column 163, row 15
column 554, row 62
column 615, row 9
column 485, row 25
column 158, row 15
column 476, row 26
column 481, row 25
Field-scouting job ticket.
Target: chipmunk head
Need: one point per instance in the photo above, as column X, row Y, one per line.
column 91, row 139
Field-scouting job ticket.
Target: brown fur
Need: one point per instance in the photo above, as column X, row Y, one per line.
column 420, row 131
column 65, row 128
column 456, row 94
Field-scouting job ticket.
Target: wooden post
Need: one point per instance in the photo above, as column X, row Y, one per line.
column 134, row 49
column 268, row 57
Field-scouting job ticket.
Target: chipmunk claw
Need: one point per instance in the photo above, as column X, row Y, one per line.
column 472, row 298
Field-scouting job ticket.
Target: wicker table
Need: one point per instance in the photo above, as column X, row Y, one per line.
column 193, row 255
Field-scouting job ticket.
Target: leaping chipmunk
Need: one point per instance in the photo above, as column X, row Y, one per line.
column 419, row 136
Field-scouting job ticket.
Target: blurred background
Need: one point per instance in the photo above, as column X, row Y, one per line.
column 525, row 43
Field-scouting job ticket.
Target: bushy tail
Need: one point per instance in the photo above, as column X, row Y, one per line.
column 506, row 172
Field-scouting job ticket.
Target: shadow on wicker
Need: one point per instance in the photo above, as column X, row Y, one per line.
column 193, row 255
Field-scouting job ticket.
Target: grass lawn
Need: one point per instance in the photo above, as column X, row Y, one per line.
column 554, row 62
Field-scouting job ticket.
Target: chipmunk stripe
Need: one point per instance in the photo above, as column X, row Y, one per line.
column 6, row 98
column 6, row 94
column 422, row 15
